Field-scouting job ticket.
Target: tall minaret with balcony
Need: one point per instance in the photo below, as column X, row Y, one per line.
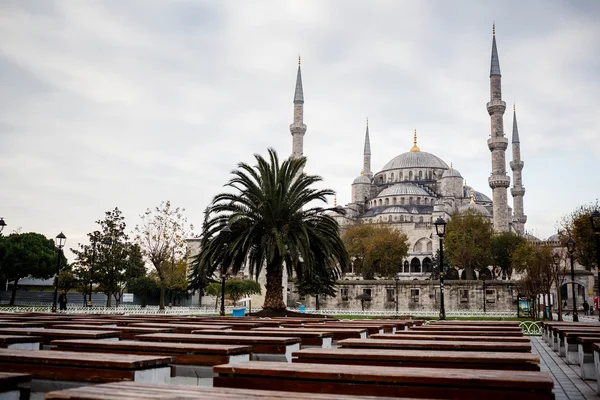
column 499, row 181
column 518, row 190
column 297, row 128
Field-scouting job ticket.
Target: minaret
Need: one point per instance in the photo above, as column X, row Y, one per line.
column 297, row 128
column 497, row 143
column 366, row 171
column 517, row 191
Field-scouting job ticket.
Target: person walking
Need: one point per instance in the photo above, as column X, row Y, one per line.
column 62, row 301
column 586, row 307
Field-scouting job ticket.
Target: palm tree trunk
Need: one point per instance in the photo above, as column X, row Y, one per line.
column 274, row 295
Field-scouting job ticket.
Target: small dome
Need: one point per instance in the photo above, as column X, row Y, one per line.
column 451, row 173
column 554, row 238
column 478, row 208
column 478, row 196
column 394, row 209
column 415, row 159
column 362, row 179
column 403, row 188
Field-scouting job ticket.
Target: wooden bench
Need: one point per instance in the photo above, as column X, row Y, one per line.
column 336, row 333
column 134, row 391
column 383, row 327
column 182, row 328
column 480, row 323
column 419, row 358
column 191, row 359
column 49, row 335
column 387, row 381
column 586, row 356
column 61, row 369
column 547, row 327
column 461, row 332
column 329, row 328
column 308, row 338
column 125, row 332
column 565, row 340
column 371, row 328
column 407, row 335
column 262, row 347
column 22, row 342
column 19, row 324
column 14, row 386
column 463, row 328
column 435, row 345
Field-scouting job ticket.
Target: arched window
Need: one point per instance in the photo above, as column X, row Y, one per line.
column 389, row 218
column 402, row 200
column 420, row 219
column 411, row 218
column 418, row 201
column 381, row 179
column 415, row 265
column 394, row 200
column 420, row 175
column 410, row 175
column 402, row 218
column 400, row 176
column 429, row 246
column 392, row 177
column 418, row 248
column 406, row 266
column 410, row 200
column 380, row 203
column 387, row 202
column 427, row 265
column 429, row 174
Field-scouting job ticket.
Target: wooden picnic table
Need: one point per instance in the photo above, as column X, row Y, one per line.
column 337, row 333
column 85, row 367
column 181, row 328
column 435, row 345
column 371, row 329
column 23, row 342
column 136, row 391
column 419, row 358
column 125, row 332
column 48, row 335
column 260, row 344
column 469, row 332
column 408, row 335
column 14, row 386
column 308, row 337
column 450, row 327
column 387, row 381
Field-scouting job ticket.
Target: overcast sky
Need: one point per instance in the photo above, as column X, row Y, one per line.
column 127, row 103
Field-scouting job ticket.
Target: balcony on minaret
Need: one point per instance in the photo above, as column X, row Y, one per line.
column 516, row 165
column 297, row 128
column 499, row 181
column 497, row 143
column 496, row 107
column 517, row 191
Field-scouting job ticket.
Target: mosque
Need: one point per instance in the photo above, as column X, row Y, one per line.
column 415, row 188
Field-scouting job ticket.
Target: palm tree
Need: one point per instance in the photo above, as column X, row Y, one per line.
column 272, row 226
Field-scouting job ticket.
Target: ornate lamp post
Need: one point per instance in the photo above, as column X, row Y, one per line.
column 595, row 220
column 571, row 250
column 2, row 224
column 224, row 233
column 556, row 259
column 440, row 229
column 60, row 241
column 396, row 279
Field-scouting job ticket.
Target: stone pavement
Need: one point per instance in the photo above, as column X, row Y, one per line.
column 567, row 383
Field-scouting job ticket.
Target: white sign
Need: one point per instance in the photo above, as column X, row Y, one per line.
column 127, row 298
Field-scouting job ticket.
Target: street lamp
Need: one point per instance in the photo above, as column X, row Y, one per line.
column 571, row 250
column 106, row 241
column 2, row 223
column 396, row 278
column 440, row 229
column 595, row 220
column 60, row 241
column 556, row 259
column 224, row 233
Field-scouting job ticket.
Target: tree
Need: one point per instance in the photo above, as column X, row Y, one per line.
column 316, row 285
column 238, row 288
column 467, row 241
column 502, row 247
column 578, row 225
column 376, row 249
column 161, row 236
column 143, row 286
column 27, row 254
column 272, row 226
column 537, row 263
column 116, row 260
column 68, row 280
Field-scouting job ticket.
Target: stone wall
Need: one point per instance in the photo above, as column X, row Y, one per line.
column 415, row 295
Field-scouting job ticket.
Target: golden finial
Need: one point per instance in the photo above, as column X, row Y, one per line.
column 362, row 173
column 335, row 200
column 367, row 122
column 298, row 59
column 451, row 166
column 415, row 148
column 472, row 196
column 514, row 107
column 494, row 28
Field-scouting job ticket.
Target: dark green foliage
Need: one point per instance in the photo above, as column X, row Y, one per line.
column 143, row 286
column 503, row 245
column 578, row 225
column 27, row 255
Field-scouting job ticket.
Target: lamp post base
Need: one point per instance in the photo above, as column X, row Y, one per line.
column 89, row 303
column 575, row 316
column 442, row 316
column 53, row 308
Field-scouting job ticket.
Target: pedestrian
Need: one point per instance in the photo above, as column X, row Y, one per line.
column 62, row 300
column 586, row 307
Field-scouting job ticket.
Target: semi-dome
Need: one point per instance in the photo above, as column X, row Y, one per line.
column 403, row 188
column 415, row 159
column 362, row 179
column 394, row 209
column 477, row 196
column 451, row 173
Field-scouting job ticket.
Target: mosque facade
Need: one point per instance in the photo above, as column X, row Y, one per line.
column 414, row 188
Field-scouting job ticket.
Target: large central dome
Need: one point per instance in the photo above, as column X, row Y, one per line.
column 415, row 159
